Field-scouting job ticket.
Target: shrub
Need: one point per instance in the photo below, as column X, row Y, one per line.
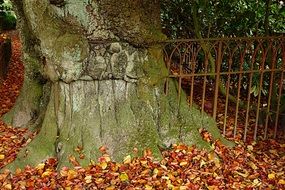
column 7, row 16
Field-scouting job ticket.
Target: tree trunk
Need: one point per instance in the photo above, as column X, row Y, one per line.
column 105, row 83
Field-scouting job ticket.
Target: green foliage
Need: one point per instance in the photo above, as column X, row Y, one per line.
column 222, row 18
column 7, row 16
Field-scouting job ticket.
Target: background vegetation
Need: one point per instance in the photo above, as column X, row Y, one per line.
column 220, row 18
column 7, row 16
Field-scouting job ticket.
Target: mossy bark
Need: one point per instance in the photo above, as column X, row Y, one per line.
column 107, row 87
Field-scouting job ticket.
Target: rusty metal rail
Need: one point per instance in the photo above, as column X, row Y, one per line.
column 239, row 81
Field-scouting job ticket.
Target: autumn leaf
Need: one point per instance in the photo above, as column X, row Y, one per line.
column 71, row 174
column 88, row 179
column 73, row 160
column 103, row 165
column 103, row 149
column 148, row 187
column 271, row 176
column 252, row 165
column 46, row 173
column 124, row 177
column 2, row 156
column 127, row 159
column 40, row 166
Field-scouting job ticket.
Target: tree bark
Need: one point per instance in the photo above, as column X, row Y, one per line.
column 105, row 82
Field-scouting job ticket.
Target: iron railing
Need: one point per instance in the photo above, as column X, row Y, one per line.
column 239, row 81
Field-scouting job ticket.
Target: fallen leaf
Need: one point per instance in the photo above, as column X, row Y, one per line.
column 2, row 156
column 127, row 159
column 124, row 177
column 88, row 179
column 271, row 176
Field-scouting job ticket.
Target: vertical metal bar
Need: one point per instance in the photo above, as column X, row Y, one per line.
column 227, row 94
column 180, row 81
column 167, row 60
column 192, row 66
column 261, row 70
column 273, row 64
column 205, row 80
column 278, row 102
column 179, row 49
column 248, row 99
column 280, row 89
column 238, row 95
column 192, row 82
column 217, row 81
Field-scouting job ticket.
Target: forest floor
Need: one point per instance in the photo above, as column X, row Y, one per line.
column 250, row 165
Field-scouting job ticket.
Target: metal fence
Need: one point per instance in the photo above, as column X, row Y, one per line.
column 239, row 81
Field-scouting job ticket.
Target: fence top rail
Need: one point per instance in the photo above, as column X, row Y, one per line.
column 226, row 39
column 164, row 42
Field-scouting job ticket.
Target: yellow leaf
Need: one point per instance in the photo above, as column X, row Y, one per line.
column 147, row 187
column 111, row 188
column 18, row 171
column 170, row 186
column 163, row 166
column 184, row 163
column 71, row 174
column 107, row 157
column 63, row 172
column 211, row 156
column 143, row 163
column 127, row 159
column 192, row 176
column 124, row 177
column 250, row 147
column 155, row 171
column 46, row 173
column 202, row 163
column 92, row 162
column 29, row 140
column 103, row 165
column 242, row 174
column 8, row 186
column 271, row 176
column 40, row 166
column 256, row 182
column 281, row 182
column 2, row 156
column 215, row 174
column 88, row 179
column 252, row 165
column 99, row 180
column 213, row 187
column 183, row 188
column 165, row 177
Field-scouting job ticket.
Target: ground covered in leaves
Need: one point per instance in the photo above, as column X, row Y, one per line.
column 255, row 166
column 246, row 166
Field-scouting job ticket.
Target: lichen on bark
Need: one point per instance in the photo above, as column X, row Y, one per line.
column 136, row 22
